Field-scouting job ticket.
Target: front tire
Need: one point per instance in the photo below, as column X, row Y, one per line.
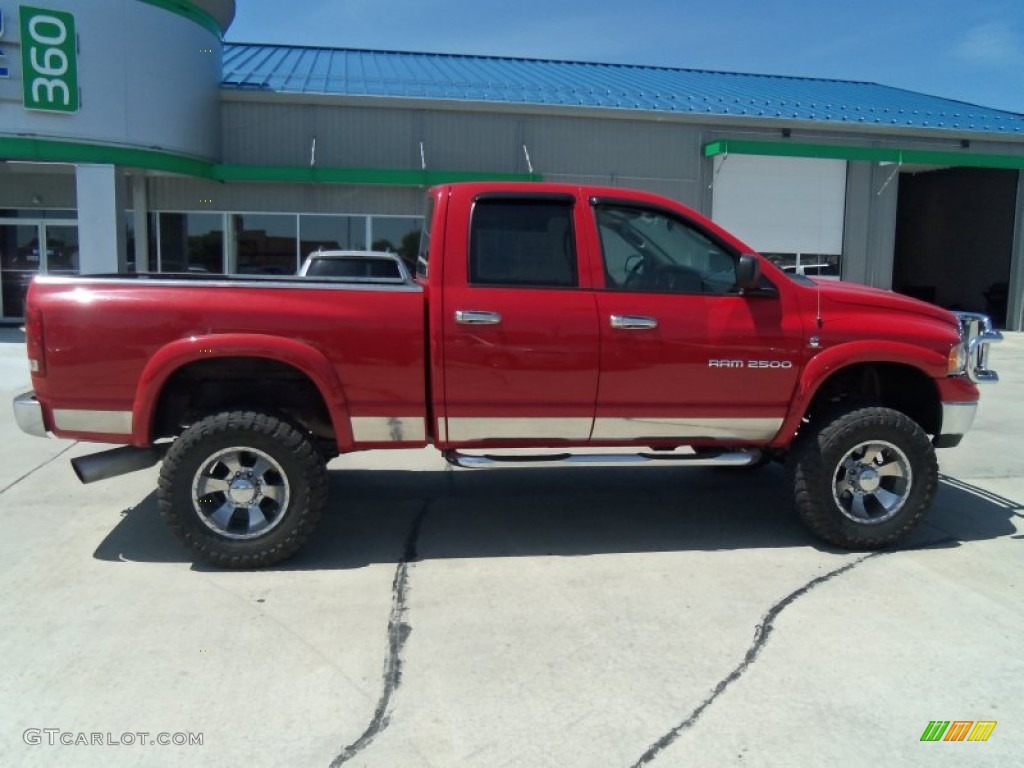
column 863, row 478
column 243, row 489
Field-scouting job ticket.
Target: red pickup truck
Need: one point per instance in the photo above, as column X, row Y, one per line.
column 539, row 317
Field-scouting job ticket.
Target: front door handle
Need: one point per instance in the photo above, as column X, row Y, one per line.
column 476, row 317
column 633, row 322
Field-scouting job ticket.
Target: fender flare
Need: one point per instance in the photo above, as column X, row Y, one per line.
column 299, row 355
column 826, row 363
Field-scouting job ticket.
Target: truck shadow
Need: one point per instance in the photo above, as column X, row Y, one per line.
column 560, row 513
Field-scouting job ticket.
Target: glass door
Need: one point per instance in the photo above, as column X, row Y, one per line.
column 29, row 248
column 61, row 249
column 20, row 261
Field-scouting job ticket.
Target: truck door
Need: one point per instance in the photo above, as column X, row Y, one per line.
column 520, row 331
column 684, row 356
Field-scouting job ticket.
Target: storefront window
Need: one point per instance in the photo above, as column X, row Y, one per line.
column 265, row 243
column 191, row 242
column 331, row 233
column 397, row 234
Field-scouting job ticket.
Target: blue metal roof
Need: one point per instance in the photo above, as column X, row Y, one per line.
column 352, row 72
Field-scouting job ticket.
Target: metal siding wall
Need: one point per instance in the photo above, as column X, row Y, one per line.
column 659, row 157
column 473, row 142
column 856, row 231
column 55, row 190
column 282, row 134
column 265, row 134
column 882, row 225
column 634, row 148
column 366, row 138
column 869, row 238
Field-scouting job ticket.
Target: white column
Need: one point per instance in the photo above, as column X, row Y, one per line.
column 101, row 237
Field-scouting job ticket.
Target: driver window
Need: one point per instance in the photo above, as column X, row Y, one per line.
column 651, row 251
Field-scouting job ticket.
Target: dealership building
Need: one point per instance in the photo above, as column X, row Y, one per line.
column 133, row 138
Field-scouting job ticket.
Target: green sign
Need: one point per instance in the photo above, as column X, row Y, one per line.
column 49, row 60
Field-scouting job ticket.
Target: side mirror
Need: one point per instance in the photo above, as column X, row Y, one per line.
column 748, row 273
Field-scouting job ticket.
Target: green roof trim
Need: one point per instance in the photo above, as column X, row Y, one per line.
column 191, row 12
column 47, row 151
column 963, row 158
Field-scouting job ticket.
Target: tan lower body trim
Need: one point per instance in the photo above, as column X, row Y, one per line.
column 486, row 428
column 463, row 429
column 388, row 429
column 637, row 428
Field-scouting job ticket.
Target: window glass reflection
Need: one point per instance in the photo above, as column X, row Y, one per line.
column 331, row 233
column 191, row 242
column 398, row 234
column 265, row 243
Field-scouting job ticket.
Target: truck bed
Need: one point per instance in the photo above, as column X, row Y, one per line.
column 368, row 335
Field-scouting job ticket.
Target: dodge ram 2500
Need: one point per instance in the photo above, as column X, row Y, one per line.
column 539, row 317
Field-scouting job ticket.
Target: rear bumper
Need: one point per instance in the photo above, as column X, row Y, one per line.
column 957, row 419
column 28, row 413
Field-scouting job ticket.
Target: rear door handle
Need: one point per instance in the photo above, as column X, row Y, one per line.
column 633, row 322
column 476, row 317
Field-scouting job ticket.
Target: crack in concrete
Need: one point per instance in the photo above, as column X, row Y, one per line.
column 31, row 472
column 761, row 633
column 398, row 633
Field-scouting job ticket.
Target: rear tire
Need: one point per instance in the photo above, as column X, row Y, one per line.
column 863, row 478
column 243, row 489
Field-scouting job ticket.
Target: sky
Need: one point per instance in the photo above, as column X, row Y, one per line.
column 970, row 50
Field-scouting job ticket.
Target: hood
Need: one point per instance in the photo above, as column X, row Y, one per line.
column 878, row 299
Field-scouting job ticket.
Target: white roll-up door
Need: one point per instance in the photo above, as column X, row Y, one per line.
column 781, row 204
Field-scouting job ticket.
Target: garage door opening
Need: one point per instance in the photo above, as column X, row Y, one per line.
column 954, row 238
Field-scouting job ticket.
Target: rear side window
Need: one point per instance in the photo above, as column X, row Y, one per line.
column 354, row 267
column 522, row 243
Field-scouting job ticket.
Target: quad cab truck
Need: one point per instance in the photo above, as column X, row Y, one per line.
column 578, row 325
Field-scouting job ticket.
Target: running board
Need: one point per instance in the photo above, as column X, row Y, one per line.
column 740, row 458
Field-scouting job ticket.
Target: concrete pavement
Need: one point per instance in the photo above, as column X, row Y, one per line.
column 513, row 618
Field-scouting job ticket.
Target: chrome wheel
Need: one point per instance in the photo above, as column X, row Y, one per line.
column 872, row 482
column 240, row 493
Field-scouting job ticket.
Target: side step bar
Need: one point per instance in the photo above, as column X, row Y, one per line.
column 738, row 458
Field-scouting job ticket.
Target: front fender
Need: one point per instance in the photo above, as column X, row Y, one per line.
column 829, row 361
column 299, row 355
